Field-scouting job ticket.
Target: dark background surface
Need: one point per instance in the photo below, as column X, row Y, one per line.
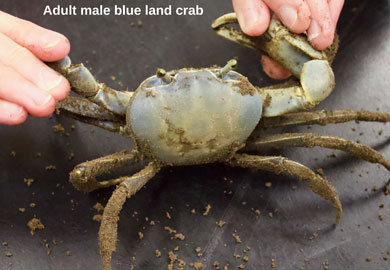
column 113, row 46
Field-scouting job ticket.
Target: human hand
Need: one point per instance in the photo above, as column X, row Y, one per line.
column 27, row 85
column 316, row 18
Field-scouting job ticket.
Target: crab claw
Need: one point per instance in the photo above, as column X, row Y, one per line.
column 288, row 49
column 85, row 84
column 295, row 53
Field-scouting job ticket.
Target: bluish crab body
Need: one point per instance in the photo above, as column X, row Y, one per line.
column 196, row 118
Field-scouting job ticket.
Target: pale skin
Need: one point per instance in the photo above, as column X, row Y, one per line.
column 316, row 18
column 27, row 85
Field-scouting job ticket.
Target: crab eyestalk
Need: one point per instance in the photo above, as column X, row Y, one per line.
column 231, row 64
column 163, row 75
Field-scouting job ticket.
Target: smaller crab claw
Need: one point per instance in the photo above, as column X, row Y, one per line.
column 84, row 83
column 294, row 52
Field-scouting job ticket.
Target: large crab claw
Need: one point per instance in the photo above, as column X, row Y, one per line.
column 294, row 52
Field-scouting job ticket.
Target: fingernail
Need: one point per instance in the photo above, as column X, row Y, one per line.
column 42, row 100
column 49, row 41
column 49, row 78
column 314, row 30
column 13, row 109
column 288, row 15
column 249, row 19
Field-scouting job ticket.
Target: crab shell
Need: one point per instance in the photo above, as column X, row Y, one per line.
column 196, row 118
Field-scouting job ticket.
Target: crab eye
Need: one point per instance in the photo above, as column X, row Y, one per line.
column 164, row 76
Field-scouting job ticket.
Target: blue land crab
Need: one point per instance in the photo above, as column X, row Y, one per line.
column 197, row 116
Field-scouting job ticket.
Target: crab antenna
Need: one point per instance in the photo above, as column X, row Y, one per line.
column 231, row 64
column 163, row 75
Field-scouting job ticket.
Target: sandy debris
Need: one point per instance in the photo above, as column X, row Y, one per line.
column 50, row 168
column 35, row 224
column 158, row 253
column 237, row 238
column 58, row 129
column 207, row 210
column 220, row 223
column 28, row 181
column 179, row 236
column 98, row 207
column 97, row 217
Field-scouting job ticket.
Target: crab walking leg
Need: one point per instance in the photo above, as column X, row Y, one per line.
column 109, row 227
column 312, row 140
column 84, row 84
column 323, row 118
column 279, row 164
column 83, row 176
column 88, row 112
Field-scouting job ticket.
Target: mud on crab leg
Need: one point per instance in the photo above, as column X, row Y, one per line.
column 279, row 164
column 84, row 83
column 322, row 118
column 109, row 227
column 83, row 176
column 312, row 140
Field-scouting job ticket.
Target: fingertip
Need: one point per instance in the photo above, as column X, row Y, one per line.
column 53, row 46
column 12, row 114
column 45, row 108
column 322, row 43
column 273, row 69
column 321, row 36
column 253, row 16
column 41, row 103
column 45, row 44
column 20, row 119
column 321, row 29
column 63, row 47
column 295, row 14
column 296, row 18
column 62, row 90
column 52, row 82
